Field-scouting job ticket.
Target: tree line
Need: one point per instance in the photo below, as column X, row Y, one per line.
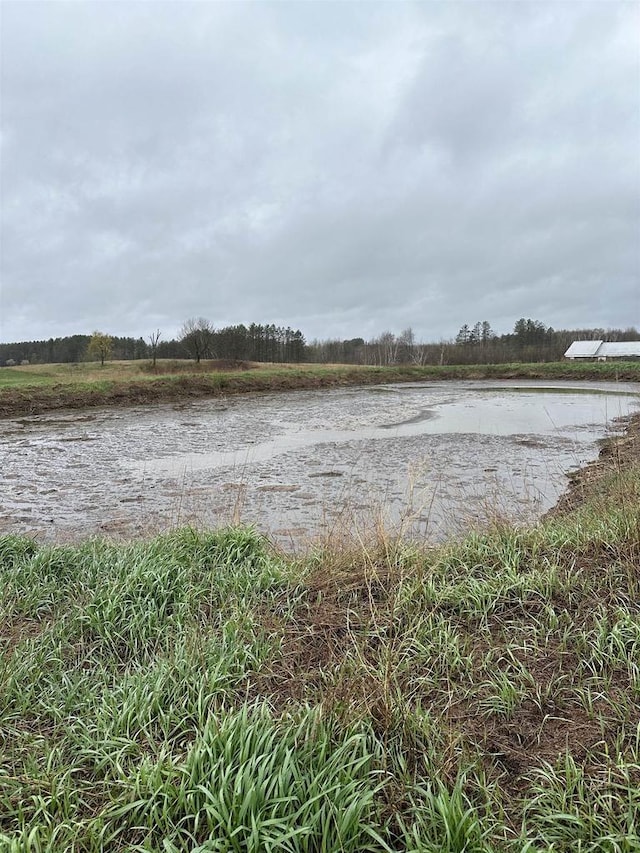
column 198, row 339
column 255, row 342
column 530, row 341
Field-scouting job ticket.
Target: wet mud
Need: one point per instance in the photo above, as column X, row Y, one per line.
column 435, row 459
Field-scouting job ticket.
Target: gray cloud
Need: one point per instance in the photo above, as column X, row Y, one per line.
column 344, row 168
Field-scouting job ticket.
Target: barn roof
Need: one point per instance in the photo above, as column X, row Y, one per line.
column 583, row 349
column 620, row 349
column 600, row 349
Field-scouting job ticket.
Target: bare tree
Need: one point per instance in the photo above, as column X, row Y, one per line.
column 387, row 348
column 406, row 343
column 419, row 354
column 196, row 336
column 154, row 340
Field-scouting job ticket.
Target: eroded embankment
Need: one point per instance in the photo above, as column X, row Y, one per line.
column 617, row 454
column 175, row 389
column 34, row 400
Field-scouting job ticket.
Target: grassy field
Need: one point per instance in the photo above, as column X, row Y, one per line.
column 34, row 389
column 199, row 692
column 89, row 372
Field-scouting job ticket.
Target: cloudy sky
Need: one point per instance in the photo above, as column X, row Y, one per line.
column 341, row 167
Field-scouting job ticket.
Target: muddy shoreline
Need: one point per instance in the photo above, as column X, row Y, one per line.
column 36, row 400
column 617, row 453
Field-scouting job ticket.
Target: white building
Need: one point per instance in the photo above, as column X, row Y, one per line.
column 603, row 350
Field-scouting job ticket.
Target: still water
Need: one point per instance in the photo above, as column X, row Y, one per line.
column 435, row 458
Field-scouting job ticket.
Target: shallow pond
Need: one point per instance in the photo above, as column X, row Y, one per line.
column 436, row 458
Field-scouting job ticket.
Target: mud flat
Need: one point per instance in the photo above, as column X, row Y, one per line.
column 431, row 459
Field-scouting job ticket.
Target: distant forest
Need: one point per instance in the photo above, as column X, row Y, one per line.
column 530, row 341
column 198, row 339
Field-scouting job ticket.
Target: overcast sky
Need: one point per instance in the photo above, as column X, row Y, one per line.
column 341, row 167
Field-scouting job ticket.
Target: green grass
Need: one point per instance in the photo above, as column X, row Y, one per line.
column 85, row 374
column 200, row 692
column 19, row 377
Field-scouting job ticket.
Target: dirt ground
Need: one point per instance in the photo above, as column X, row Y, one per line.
column 616, row 453
column 15, row 402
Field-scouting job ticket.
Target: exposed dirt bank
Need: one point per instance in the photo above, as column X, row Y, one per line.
column 33, row 400
column 617, row 453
